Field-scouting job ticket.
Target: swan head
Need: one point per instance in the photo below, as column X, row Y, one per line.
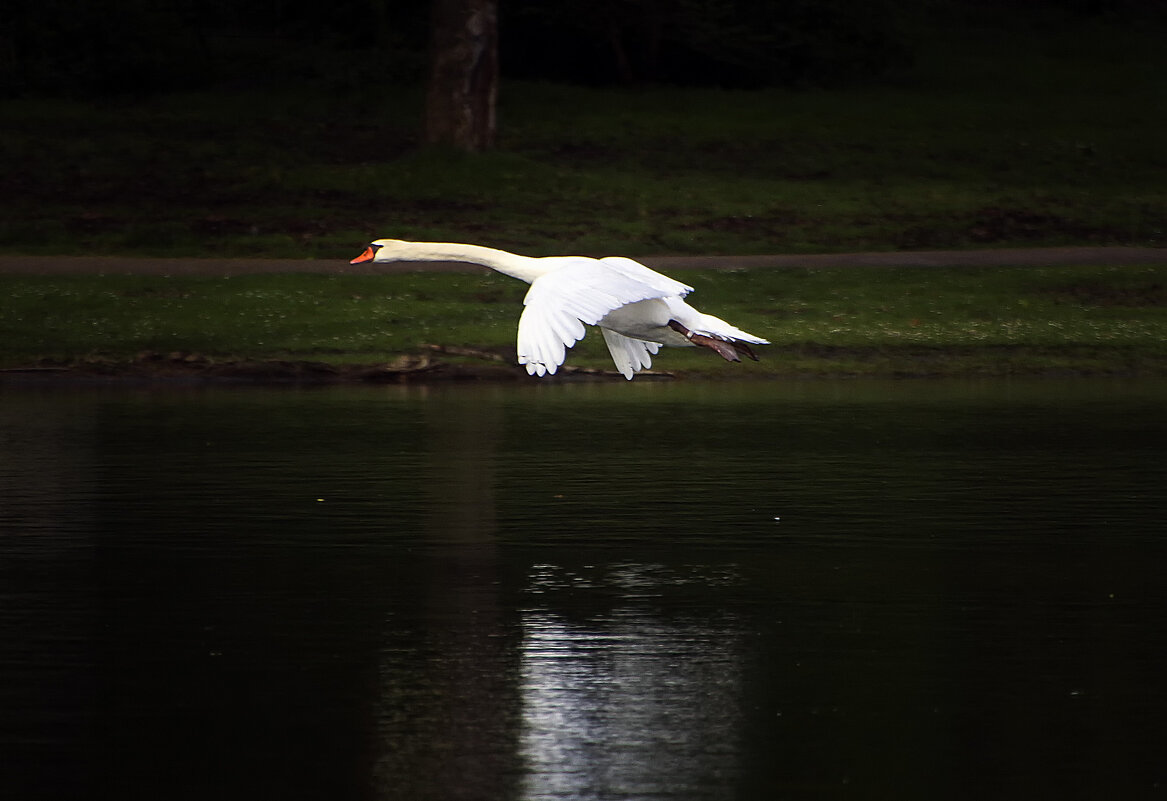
column 379, row 250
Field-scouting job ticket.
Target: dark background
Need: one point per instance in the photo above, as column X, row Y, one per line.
column 135, row 46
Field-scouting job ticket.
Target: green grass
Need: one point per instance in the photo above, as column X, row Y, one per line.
column 839, row 321
column 991, row 139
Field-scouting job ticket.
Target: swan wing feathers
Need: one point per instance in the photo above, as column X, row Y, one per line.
column 630, row 355
column 579, row 291
column 636, row 270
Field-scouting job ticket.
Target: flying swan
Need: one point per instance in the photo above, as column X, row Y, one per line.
column 636, row 309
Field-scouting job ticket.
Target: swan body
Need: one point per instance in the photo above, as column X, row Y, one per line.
column 637, row 309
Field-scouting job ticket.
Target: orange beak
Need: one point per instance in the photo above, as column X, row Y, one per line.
column 366, row 256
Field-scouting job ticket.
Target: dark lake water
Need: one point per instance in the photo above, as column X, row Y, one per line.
column 622, row 591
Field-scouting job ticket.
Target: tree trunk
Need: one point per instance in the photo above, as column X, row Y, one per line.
column 463, row 79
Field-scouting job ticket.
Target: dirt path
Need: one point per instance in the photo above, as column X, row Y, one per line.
column 1022, row 257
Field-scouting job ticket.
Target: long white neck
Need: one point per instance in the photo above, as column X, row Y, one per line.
column 525, row 268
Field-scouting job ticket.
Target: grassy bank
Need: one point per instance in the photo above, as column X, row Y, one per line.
column 990, row 139
column 835, row 321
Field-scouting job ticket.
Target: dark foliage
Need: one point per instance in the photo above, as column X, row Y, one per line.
column 109, row 47
column 730, row 43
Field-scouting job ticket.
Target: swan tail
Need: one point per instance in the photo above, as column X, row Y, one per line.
column 738, row 341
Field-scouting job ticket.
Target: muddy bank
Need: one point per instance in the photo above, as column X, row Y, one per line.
column 192, row 368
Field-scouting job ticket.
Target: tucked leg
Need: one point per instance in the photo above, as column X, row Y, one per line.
column 727, row 350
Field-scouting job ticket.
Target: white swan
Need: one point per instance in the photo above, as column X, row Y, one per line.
column 636, row 309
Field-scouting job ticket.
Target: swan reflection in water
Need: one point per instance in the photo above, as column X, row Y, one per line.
column 629, row 703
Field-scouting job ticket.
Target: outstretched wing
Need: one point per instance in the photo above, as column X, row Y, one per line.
column 630, row 355
column 636, row 270
column 579, row 291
